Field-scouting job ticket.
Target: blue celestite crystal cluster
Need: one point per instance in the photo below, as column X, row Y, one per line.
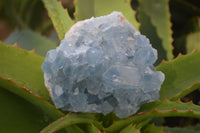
column 102, row 65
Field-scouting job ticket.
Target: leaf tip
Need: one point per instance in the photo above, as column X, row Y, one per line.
column 16, row 44
column 33, row 50
column 69, row 113
column 155, row 110
column 66, row 10
column 180, row 55
column 190, row 101
column 194, row 50
column 174, row 97
column 172, row 45
column 74, row 15
column 165, row 99
column 190, row 111
column 163, row 60
column 140, row 113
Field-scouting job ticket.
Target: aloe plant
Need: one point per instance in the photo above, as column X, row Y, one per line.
column 25, row 102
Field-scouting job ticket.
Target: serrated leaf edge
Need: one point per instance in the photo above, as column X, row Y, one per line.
column 133, row 119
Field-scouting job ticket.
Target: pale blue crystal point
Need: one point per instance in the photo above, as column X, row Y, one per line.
column 102, row 65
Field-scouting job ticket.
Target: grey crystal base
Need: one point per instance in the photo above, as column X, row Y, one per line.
column 102, row 65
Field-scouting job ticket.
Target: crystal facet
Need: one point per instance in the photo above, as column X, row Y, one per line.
column 102, row 65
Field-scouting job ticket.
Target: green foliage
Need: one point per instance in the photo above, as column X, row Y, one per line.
column 24, row 68
column 24, row 100
column 155, row 24
column 31, row 97
column 25, row 117
column 39, row 43
column 130, row 129
column 84, row 9
column 92, row 129
column 180, row 73
column 192, row 41
column 157, row 109
column 151, row 128
column 14, row 82
column 89, row 8
column 59, row 16
column 186, row 91
column 71, row 119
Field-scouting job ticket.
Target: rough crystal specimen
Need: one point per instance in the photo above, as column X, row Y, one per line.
column 102, row 65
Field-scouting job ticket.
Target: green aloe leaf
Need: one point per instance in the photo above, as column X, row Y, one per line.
column 71, row 119
column 49, row 111
column 130, row 129
column 31, row 97
column 186, row 91
column 157, row 109
column 20, row 73
column 29, row 40
column 24, row 68
column 84, row 9
column 187, row 43
column 88, row 8
column 155, row 24
column 151, row 128
column 180, row 73
column 25, row 78
column 192, row 41
column 19, row 116
column 92, row 129
column 59, row 16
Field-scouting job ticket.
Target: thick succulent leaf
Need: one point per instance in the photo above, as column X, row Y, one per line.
column 19, row 116
column 92, row 129
column 29, row 40
column 179, row 46
column 180, row 130
column 49, row 111
column 108, row 119
column 31, row 97
column 71, row 119
column 130, row 129
column 84, row 9
column 155, row 24
column 24, row 68
column 59, row 16
column 25, row 78
column 157, row 109
column 186, row 91
column 180, row 73
column 187, row 43
column 192, row 41
column 26, row 64
column 151, row 128
column 98, row 8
